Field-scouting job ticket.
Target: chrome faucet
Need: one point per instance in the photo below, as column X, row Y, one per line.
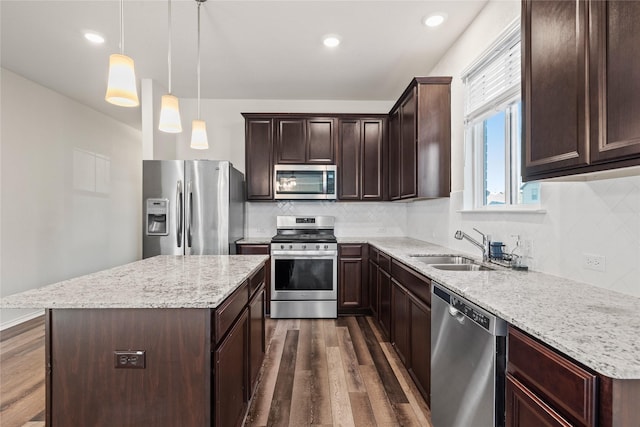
column 484, row 246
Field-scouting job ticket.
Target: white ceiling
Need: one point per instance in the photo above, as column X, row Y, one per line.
column 260, row 49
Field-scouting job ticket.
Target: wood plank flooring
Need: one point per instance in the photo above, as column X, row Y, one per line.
column 317, row 372
column 326, row 372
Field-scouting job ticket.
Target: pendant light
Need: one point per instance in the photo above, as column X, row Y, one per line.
column 198, row 127
column 121, row 87
column 170, row 107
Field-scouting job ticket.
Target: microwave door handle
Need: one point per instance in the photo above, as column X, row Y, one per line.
column 189, row 213
column 179, row 213
column 325, row 178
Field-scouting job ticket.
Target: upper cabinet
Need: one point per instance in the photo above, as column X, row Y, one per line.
column 420, row 140
column 259, row 157
column 581, row 75
column 305, row 140
column 360, row 158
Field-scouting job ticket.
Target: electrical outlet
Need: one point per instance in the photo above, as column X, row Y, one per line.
column 130, row 359
column 594, row 262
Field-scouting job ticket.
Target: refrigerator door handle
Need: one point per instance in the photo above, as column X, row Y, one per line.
column 179, row 210
column 189, row 214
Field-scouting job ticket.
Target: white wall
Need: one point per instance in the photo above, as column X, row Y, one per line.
column 71, row 189
column 600, row 216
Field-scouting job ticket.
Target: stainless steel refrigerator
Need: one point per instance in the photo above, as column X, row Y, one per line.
column 191, row 207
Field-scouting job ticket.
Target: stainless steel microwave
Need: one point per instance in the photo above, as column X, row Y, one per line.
column 304, row 182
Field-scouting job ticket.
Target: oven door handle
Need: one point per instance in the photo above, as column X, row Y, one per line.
column 304, row 254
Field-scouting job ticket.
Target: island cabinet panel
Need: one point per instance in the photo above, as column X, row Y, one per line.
column 257, row 344
column 226, row 314
column 259, row 148
column 84, row 388
column 230, row 373
column 555, row 381
column 353, row 295
column 259, row 249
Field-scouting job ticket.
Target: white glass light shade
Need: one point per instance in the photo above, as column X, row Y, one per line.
column 170, row 115
column 199, row 135
column 121, row 89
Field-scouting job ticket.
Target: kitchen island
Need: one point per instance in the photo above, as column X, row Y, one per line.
column 166, row 341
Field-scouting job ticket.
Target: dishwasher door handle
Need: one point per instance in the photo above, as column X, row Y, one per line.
column 457, row 314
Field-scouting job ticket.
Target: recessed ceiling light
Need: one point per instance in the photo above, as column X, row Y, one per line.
column 331, row 41
column 94, row 37
column 434, row 19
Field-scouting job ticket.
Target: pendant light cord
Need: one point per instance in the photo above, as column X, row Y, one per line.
column 122, row 27
column 199, row 4
column 169, row 47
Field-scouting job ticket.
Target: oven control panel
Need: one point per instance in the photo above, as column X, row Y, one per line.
column 301, row 247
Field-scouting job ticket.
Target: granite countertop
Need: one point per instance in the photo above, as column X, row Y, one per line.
column 195, row 281
column 597, row 327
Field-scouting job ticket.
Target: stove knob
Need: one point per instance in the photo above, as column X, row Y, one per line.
column 326, row 246
column 317, row 246
column 281, row 246
column 304, row 246
column 290, row 246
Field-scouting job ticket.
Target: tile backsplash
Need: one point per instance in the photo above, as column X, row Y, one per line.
column 353, row 219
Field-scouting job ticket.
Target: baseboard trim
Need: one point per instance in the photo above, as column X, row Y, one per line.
column 19, row 320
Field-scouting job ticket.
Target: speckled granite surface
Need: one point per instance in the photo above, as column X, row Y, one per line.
column 597, row 327
column 159, row 282
column 255, row 241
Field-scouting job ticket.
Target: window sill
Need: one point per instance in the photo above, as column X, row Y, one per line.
column 505, row 210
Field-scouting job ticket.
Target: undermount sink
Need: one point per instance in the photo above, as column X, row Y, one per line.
column 443, row 259
column 462, row 267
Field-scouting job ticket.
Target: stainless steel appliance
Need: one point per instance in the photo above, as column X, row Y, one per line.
column 193, row 207
column 304, row 268
column 468, row 363
column 306, row 182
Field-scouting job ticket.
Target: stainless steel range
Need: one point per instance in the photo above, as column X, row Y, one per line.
column 304, row 268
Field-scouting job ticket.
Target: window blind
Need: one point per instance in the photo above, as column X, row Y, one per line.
column 495, row 77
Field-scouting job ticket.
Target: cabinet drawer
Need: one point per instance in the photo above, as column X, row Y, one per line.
column 416, row 283
column 230, row 309
column 373, row 254
column 351, row 251
column 256, row 280
column 384, row 261
column 568, row 388
column 249, row 249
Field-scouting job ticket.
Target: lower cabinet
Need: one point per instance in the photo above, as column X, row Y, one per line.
column 257, row 345
column 545, row 387
column 259, row 249
column 230, row 375
column 420, row 339
column 403, row 309
column 353, row 269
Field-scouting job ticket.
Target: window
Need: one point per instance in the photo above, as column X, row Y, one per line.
column 493, row 112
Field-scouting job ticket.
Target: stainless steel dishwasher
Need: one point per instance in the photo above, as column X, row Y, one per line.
column 468, row 363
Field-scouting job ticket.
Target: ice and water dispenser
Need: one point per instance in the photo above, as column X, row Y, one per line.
column 157, row 217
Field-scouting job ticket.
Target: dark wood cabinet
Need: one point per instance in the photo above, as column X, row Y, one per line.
column 259, row 249
column 420, row 140
column 400, row 321
column 291, row 141
column 554, row 380
column 525, row 409
column 353, row 295
column 580, row 73
column 257, row 344
column 360, row 159
column 230, row 372
column 374, row 290
column 305, row 140
column 420, row 351
column 384, row 313
column 259, row 158
column 394, row 155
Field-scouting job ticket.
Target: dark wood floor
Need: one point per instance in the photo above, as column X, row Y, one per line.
column 320, row 372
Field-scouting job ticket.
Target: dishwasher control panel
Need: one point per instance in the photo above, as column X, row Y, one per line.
column 473, row 314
